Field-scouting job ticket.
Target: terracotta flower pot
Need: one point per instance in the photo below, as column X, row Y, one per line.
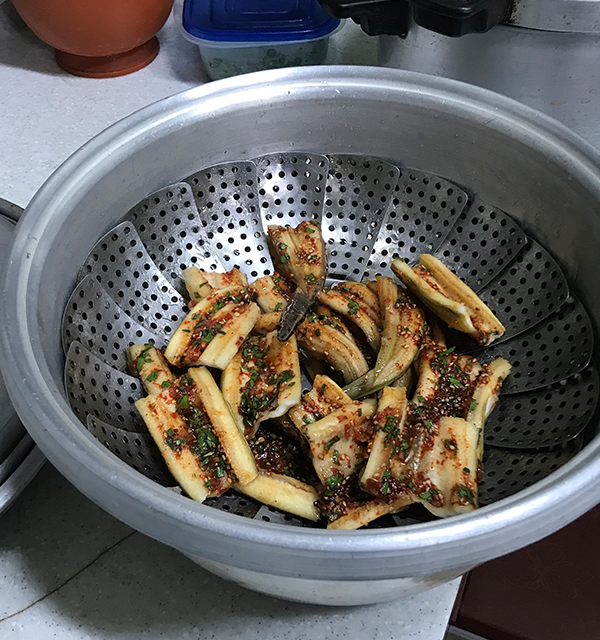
column 98, row 38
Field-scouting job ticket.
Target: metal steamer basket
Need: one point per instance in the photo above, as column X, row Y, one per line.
column 392, row 164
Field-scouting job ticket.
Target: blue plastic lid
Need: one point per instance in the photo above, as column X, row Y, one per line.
column 257, row 20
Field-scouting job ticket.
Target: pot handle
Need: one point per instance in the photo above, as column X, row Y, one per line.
column 449, row 17
column 10, row 210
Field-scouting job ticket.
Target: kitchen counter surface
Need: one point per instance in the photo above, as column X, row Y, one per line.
column 67, row 569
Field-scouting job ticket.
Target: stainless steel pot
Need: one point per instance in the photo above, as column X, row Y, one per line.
column 547, row 57
column 516, row 158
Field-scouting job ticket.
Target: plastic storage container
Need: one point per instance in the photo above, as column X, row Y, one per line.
column 241, row 36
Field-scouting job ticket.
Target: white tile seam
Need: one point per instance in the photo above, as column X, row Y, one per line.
column 71, row 577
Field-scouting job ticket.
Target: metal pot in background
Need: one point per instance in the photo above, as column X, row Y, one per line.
column 544, row 53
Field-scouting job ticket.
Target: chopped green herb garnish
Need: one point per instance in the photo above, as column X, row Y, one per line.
column 305, row 420
column 391, row 429
column 428, row 424
column 353, row 307
column 152, row 377
column 467, row 470
column 309, row 230
column 473, row 405
column 333, row 481
column 359, row 412
column 208, row 484
column 322, row 389
column 447, row 352
column 311, row 277
column 165, row 384
column 385, row 481
column 183, row 402
column 331, row 442
column 219, row 304
column 455, row 381
column 411, row 486
column 318, row 332
column 186, row 330
column 196, row 316
column 286, row 376
column 465, row 492
column 426, row 495
column 202, row 284
column 451, row 444
column 278, row 306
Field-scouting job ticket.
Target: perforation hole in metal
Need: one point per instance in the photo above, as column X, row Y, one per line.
column 227, row 199
column 94, row 319
column 551, row 351
column 291, row 187
column 527, row 291
column 121, row 264
column 357, row 196
column 138, row 450
column 232, row 502
column 423, row 211
column 483, row 241
column 169, row 226
column 546, row 416
column 508, row 471
column 94, row 388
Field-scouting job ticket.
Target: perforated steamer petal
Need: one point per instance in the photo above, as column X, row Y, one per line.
column 130, row 290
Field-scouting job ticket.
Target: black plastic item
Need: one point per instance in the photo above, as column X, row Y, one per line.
column 375, row 17
column 449, row 17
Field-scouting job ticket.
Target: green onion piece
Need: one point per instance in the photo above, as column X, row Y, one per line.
column 331, row 442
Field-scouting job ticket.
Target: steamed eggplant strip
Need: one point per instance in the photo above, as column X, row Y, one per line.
column 151, row 366
column 262, row 381
column 389, row 440
column 485, row 397
column 320, row 339
column 285, row 493
column 346, row 506
column 214, row 329
column 272, row 293
column 449, row 298
column 453, row 464
column 197, row 436
column 403, row 330
column 338, row 442
column 299, row 255
column 363, row 515
column 200, row 284
column 359, row 304
column 324, row 398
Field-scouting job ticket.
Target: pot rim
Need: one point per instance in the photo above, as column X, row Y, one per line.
column 454, row 542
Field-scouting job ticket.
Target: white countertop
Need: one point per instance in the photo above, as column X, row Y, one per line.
column 67, row 569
